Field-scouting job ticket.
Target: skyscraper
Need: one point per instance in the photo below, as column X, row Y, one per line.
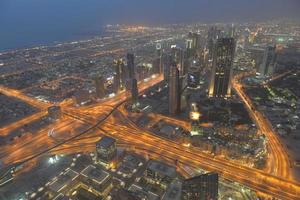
column 269, row 61
column 223, row 54
column 213, row 34
column 203, row 187
column 174, row 90
column 166, row 63
column 130, row 66
column 178, row 55
column 192, row 44
column 100, row 89
column 134, row 91
column 117, row 75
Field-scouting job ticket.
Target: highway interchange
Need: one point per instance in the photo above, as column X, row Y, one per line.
column 82, row 126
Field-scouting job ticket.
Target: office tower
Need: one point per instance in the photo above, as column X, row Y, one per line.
column 130, row 66
column 192, row 44
column 269, row 61
column 166, row 63
column 220, row 82
column 203, row 187
column 106, row 150
column 159, row 60
column 134, row 91
column 178, row 55
column 174, row 90
column 117, row 76
column 100, row 88
column 213, row 35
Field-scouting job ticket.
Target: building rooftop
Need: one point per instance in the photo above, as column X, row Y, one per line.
column 63, row 180
column 96, row 174
column 162, row 168
column 106, row 142
column 173, row 192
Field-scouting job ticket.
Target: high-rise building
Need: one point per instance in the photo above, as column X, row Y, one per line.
column 192, row 44
column 117, row 76
column 106, row 149
column 130, row 66
column 174, row 90
column 179, row 56
column 213, row 34
column 158, row 60
column 203, row 187
column 100, row 88
column 269, row 61
column 220, row 83
column 134, row 91
column 166, row 62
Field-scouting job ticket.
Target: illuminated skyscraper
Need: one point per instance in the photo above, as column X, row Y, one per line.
column 269, row 61
column 100, row 89
column 223, row 54
column 174, row 90
column 203, row 187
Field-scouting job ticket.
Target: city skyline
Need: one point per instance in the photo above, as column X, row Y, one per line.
column 151, row 111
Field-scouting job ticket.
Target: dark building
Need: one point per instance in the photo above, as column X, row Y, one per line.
column 203, row 187
column 166, row 62
column 117, row 75
column 179, row 56
column 100, row 89
column 174, row 90
column 220, row 82
column 160, row 173
column 106, row 149
column 213, row 34
column 269, row 61
column 54, row 112
column 192, row 44
column 134, row 91
column 130, row 66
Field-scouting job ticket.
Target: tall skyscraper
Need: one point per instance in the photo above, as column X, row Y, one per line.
column 213, row 34
column 203, row 187
column 134, row 91
column 117, row 75
column 130, row 66
column 178, row 55
column 223, row 54
column 159, row 60
column 100, row 89
column 269, row 61
column 174, row 90
column 166, row 63
column 192, row 44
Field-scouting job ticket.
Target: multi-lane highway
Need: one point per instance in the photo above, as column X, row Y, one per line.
column 117, row 124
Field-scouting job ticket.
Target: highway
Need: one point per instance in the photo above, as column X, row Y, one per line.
column 107, row 117
column 279, row 164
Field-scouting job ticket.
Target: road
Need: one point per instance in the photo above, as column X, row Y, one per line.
column 118, row 125
column 279, row 164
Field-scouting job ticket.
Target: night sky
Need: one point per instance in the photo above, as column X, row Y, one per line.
column 27, row 22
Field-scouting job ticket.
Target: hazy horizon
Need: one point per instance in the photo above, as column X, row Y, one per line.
column 33, row 22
